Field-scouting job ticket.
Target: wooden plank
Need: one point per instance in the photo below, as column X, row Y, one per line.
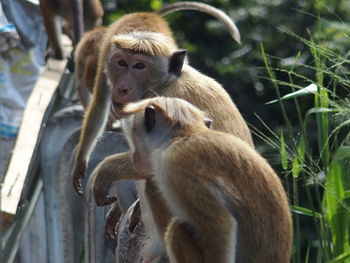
column 28, row 135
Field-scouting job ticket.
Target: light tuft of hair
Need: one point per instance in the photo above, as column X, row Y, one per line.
column 149, row 43
column 175, row 110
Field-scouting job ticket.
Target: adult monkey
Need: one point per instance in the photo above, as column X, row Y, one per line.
column 86, row 53
column 96, row 116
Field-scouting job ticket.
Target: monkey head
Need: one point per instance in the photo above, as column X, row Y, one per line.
column 138, row 62
column 151, row 124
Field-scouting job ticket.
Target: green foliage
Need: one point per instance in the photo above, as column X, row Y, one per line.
column 320, row 173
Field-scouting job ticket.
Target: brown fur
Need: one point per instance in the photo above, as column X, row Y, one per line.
column 199, row 89
column 128, row 23
column 86, row 61
column 139, row 26
column 152, row 44
column 85, row 56
column 202, row 91
column 214, row 177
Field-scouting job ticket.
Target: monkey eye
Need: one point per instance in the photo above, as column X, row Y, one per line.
column 139, row 65
column 208, row 122
column 122, row 63
column 150, row 118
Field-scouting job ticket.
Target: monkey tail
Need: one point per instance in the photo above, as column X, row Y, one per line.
column 205, row 8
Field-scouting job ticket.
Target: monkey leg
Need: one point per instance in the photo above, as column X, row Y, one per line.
column 113, row 216
column 181, row 245
column 113, row 168
column 211, row 227
column 160, row 211
column 53, row 30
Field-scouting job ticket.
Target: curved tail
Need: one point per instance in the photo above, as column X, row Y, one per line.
column 201, row 7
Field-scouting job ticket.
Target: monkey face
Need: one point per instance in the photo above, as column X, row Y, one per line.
column 131, row 74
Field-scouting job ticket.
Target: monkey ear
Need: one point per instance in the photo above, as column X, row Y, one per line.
column 150, row 118
column 176, row 62
column 208, row 122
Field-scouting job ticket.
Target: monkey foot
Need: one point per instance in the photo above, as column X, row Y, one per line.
column 135, row 216
column 78, row 173
column 112, row 220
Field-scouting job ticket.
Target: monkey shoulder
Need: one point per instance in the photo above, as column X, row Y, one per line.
column 216, row 151
column 191, row 85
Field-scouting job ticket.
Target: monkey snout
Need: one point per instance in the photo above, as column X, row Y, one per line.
column 118, row 105
column 123, row 91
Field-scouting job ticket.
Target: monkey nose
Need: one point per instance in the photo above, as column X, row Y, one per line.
column 123, row 93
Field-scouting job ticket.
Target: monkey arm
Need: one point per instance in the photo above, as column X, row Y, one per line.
column 113, row 168
column 83, row 94
column 93, row 125
column 160, row 211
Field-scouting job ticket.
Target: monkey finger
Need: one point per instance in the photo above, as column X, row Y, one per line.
column 100, row 193
column 79, row 172
column 78, row 187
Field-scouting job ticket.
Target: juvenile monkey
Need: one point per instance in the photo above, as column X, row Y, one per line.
column 226, row 202
column 133, row 70
column 54, row 11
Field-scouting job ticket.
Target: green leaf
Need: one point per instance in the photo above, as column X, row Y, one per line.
column 305, row 211
column 342, row 153
column 337, row 215
column 296, row 168
column 298, row 161
column 284, row 154
column 319, row 110
column 341, row 258
column 301, row 149
column 311, row 89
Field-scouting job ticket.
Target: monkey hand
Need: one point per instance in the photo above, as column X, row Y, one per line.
column 101, row 183
column 79, row 172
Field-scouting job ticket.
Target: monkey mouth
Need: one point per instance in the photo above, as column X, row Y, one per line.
column 117, row 109
column 118, row 105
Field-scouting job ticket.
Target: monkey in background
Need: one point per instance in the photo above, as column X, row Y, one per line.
column 85, row 60
column 227, row 203
column 55, row 10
